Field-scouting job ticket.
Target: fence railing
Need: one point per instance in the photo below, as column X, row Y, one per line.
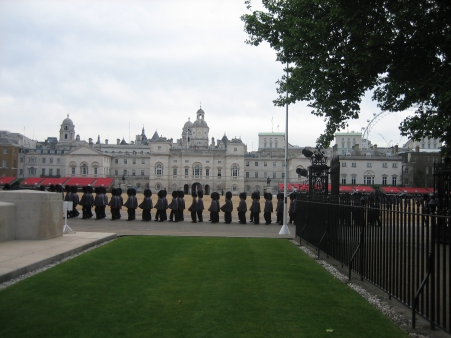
column 399, row 244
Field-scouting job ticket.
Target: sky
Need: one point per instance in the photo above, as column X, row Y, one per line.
column 118, row 66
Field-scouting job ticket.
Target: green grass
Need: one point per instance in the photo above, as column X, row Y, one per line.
column 189, row 287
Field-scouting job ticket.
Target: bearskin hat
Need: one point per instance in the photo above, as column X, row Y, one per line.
column 194, row 194
column 228, row 195
column 200, row 194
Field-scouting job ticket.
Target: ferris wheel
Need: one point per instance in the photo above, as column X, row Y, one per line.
column 366, row 131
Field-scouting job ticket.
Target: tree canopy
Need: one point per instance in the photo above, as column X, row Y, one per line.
column 337, row 50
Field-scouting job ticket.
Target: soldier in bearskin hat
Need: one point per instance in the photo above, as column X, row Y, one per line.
column 147, row 205
column 279, row 208
column 200, row 206
column 227, row 208
column 193, row 208
column 131, row 204
column 256, row 208
column 160, row 207
column 268, row 207
column 98, row 203
column 75, row 200
column 242, row 208
column 115, row 203
column 292, row 209
column 164, row 214
column 173, row 216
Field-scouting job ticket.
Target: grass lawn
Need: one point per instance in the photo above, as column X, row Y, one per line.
column 189, row 287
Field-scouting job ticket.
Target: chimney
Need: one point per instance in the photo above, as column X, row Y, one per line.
column 118, row 141
column 417, row 149
column 396, row 149
column 106, row 141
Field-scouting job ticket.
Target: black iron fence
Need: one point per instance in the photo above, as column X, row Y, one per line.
column 399, row 244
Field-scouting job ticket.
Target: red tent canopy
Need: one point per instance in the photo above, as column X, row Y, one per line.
column 346, row 189
column 414, row 191
column 390, row 190
column 363, row 189
column 7, row 179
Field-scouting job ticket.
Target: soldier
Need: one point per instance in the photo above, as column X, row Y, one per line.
column 214, row 208
column 227, row 208
column 292, row 209
column 242, row 208
column 75, row 201
column 147, row 205
column 131, row 204
column 174, row 216
column 256, row 208
column 114, row 204
column 279, row 208
column 268, row 207
column 193, row 208
column 160, row 207
column 200, row 206
column 98, row 203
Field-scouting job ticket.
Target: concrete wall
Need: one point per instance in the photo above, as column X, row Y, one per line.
column 7, row 221
column 38, row 215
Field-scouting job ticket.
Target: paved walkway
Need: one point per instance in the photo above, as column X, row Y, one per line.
column 20, row 257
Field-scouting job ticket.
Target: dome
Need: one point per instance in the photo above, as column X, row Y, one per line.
column 187, row 125
column 68, row 121
column 200, row 123
column 200, row 111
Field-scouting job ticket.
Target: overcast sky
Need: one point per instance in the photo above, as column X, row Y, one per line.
column 115, row 64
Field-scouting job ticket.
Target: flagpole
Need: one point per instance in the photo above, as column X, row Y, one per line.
column 284, row 230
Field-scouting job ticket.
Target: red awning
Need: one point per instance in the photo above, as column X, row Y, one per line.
column 390, row 190
column 7, row 179
column 414, row 191
column 346, row 189
column 363, row 189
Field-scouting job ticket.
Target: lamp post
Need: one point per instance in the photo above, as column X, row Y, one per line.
column 284, row 230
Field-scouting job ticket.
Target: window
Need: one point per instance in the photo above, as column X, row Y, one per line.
column 5, row 151
column 284, row 164
column 174, row 171
column 234, row 188
column 343, row 179
column 51, row 160
column 283, row 175
column 384, row 165
column 384, row 180
column 394, row 165
column 125, row 161
column 73, row 170
column 186, row 161
column 265, row 164
column 116, row 161
column 368, row 180
column 353, row 179
column 274, row 164
column 247, row 174
column 143, row 161
column 368, row 165
column 43, row 170
column 234, row 149
column 32, row 171
column 133, row 172
column 256, row 164
column 142, row 172
column 275, row 144
column 95, row 171
column 116, row 173
column 353, row 164
column 20, row 171
column 159, row 170
column 235, row 171
column 4, row 164
column 264, row 143
column 134, row 161
column 159, row 147
column 219, row 162
column 197, row 171
column 207, row 172
column 58, row 172
column 273, row 175
column 265, row 174
column 84, row 169
column 219, row 172
column 343, row 164
column 205, row 161
column 393, row 180
column 247, row 163
column 186, row 172
column 43, row 160
column 21, row 160
column 256, row 174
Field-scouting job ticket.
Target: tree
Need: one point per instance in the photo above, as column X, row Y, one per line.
column 336, row 50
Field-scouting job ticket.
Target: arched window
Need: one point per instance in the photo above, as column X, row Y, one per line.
column 270, row 142
column 264, row 145
column 276, row 144
column 197, row 171
column 159, row 170
column 235, row 171
column 84, row 169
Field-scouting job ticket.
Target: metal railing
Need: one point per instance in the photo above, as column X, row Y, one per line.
column 399, row 244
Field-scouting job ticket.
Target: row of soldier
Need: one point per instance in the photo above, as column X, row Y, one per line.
column 176, row 206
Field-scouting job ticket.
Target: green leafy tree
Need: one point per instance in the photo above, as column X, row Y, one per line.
column 336, row 50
